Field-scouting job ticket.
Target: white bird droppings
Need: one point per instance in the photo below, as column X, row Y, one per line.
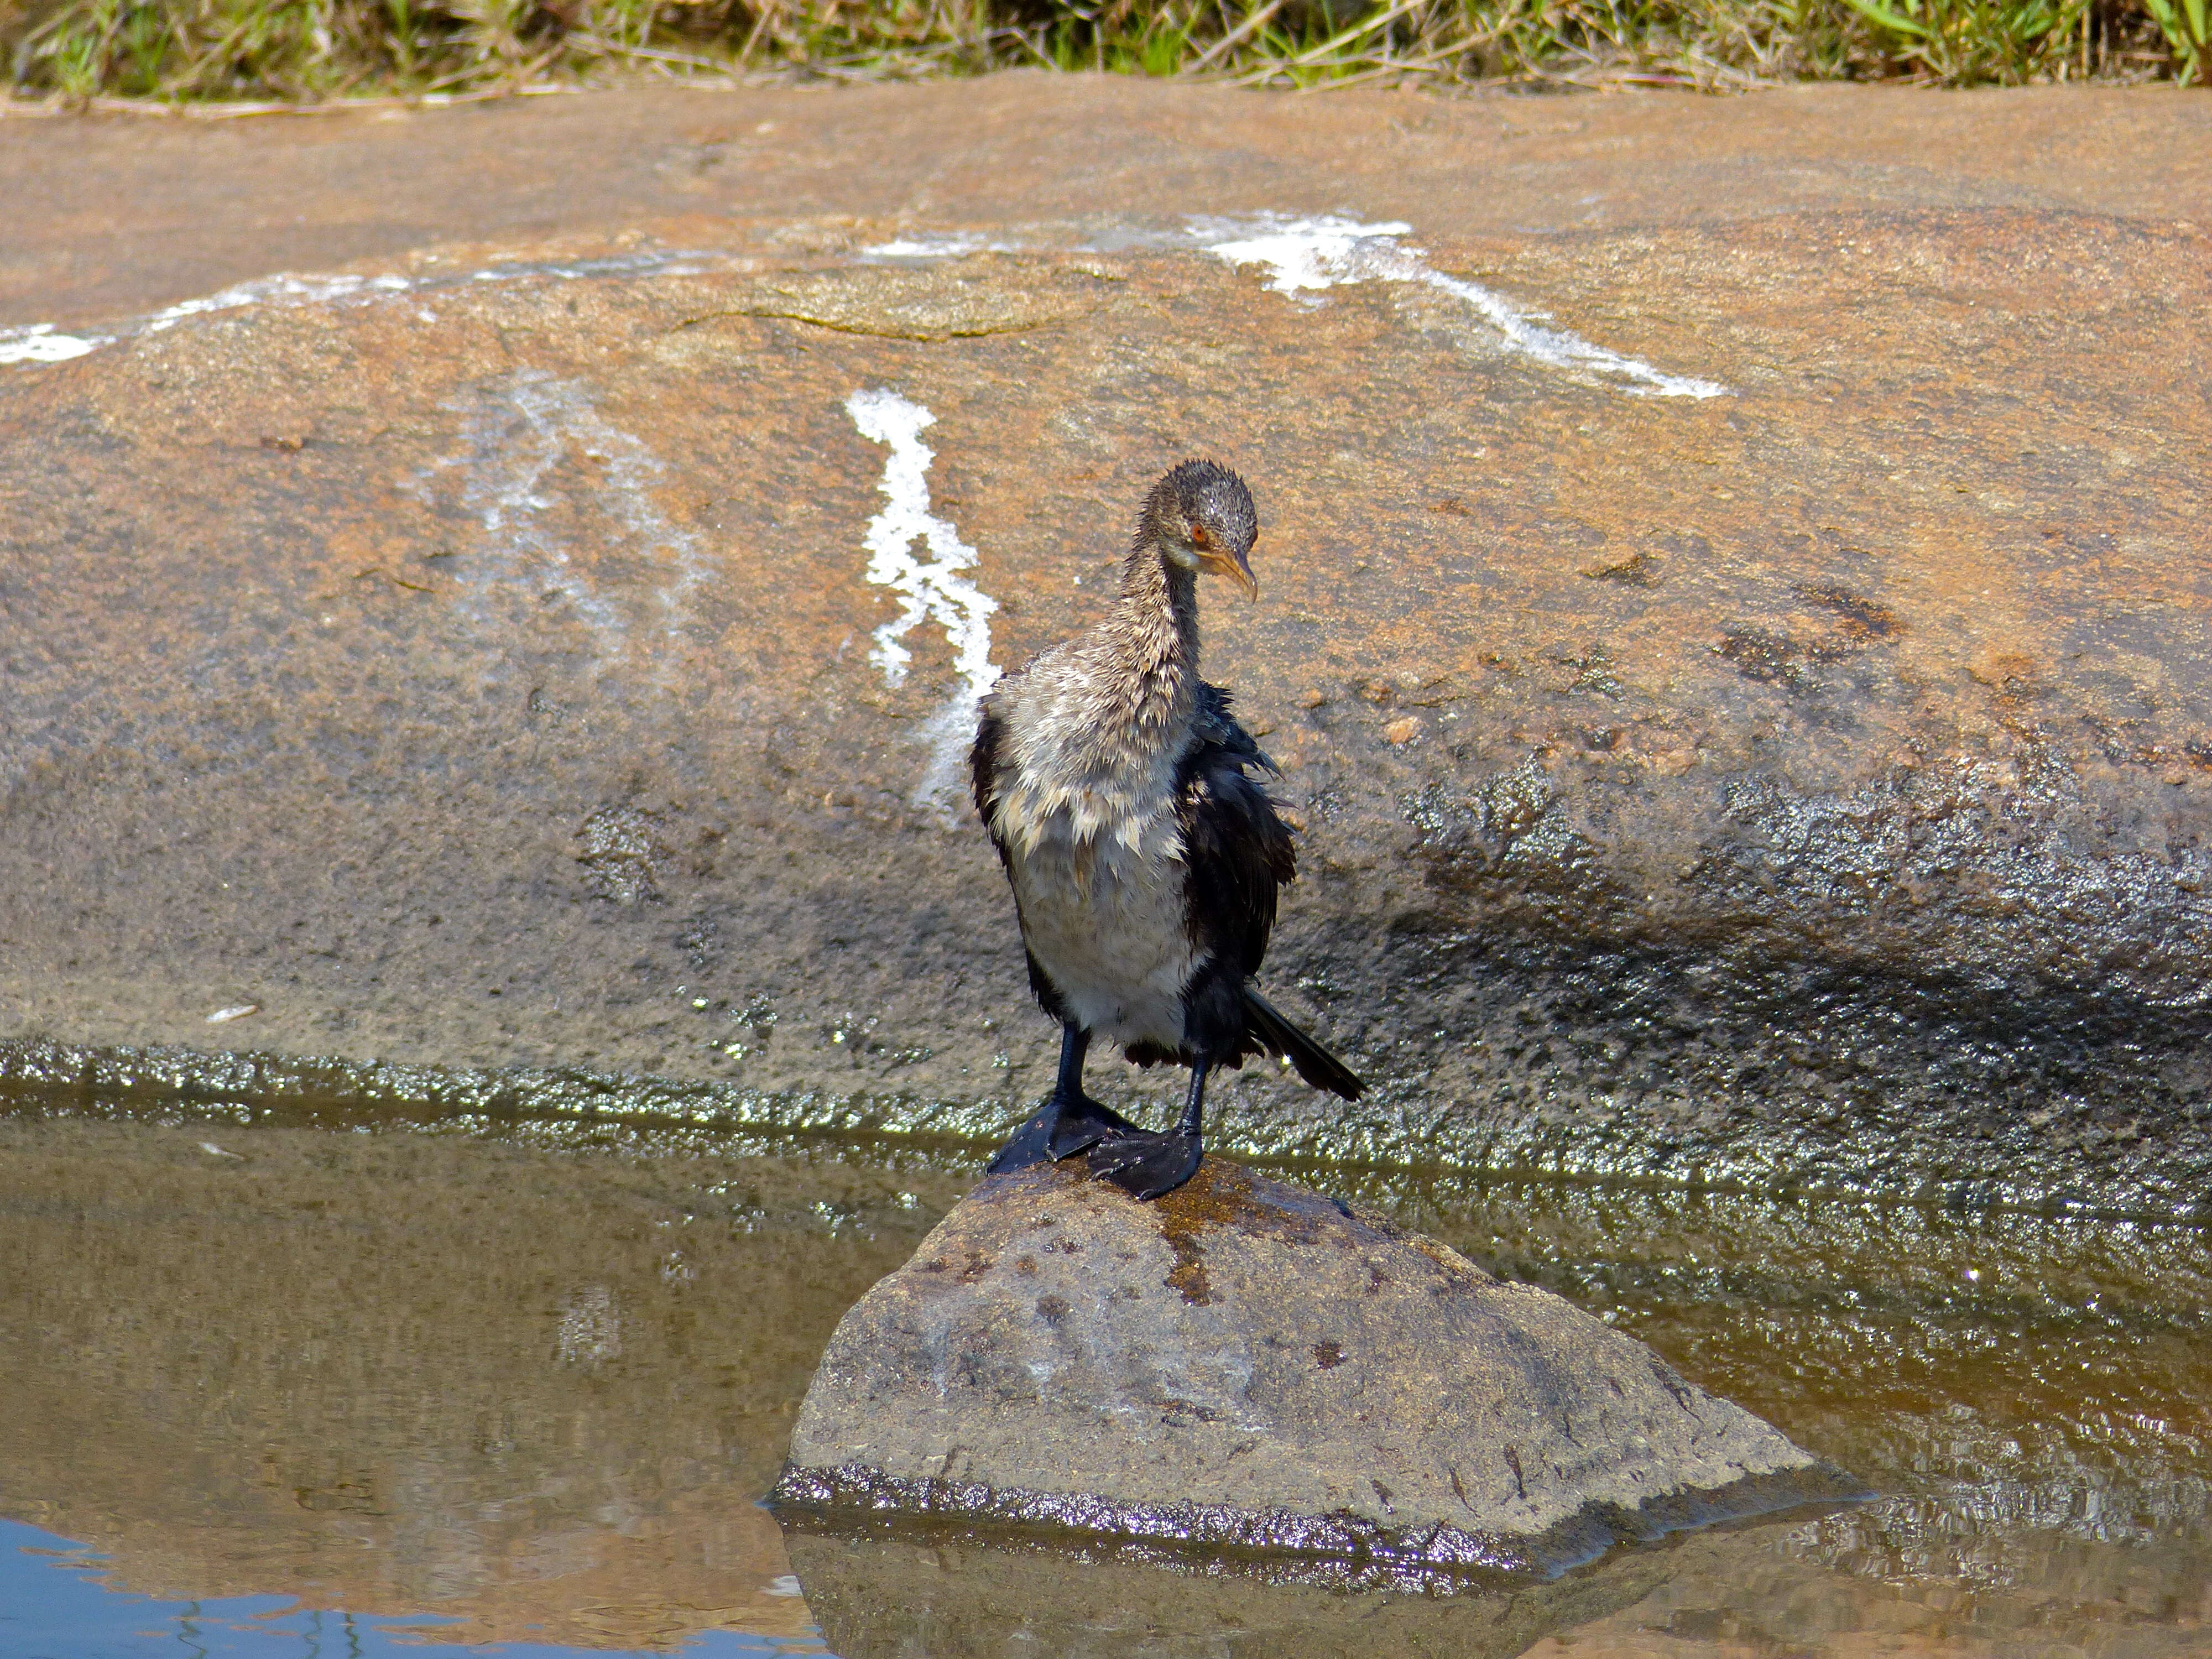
column 239, row 1011
column 519, row 475
column 933, row 591
column 1303, row 255
column 282, row 289
column 39, row 343
column 1308, row 253
column 213, row 1151
column 950, row 246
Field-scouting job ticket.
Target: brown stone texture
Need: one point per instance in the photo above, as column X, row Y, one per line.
column 1247, row 1362
column 1802, row 785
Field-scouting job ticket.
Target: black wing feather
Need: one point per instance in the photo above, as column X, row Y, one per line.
column 1238, row 855
column 1236, row 849
column 983, row 769
column 1215, row 724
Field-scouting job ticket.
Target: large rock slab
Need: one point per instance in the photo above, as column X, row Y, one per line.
column 474, row 656
column 117, row 214
column 1247, row 1366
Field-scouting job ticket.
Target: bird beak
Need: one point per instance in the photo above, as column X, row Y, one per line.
column 1233, row 566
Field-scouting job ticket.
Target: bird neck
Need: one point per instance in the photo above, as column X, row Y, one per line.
column 1156, row 639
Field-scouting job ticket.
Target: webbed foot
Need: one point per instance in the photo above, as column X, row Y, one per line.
column 1086, row 1123
column 1060, row 1128
column 1147, row 1165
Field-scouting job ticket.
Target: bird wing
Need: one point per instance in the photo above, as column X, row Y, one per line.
column 983, row 762
column 984, row 759
column 1214, row 723
column 1237, row 849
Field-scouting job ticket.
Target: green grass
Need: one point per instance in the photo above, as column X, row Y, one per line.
column 310, row 50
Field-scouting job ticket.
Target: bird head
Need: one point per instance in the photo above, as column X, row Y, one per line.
column 1201, row 517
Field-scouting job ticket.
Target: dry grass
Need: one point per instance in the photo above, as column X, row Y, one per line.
column 311, row 51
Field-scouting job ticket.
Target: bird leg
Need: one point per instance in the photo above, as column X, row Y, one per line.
column 1068, row 1120
column 1145, row 1166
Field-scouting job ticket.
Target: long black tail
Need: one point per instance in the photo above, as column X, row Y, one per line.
column 1315, row 1063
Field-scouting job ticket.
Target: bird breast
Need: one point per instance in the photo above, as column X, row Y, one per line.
column 1098, row 881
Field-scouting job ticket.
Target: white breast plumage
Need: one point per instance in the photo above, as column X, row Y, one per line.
column 1098, row 873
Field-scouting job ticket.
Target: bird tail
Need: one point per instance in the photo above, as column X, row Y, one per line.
column 1315, row 1063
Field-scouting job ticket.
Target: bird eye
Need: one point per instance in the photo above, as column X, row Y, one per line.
column 1198, row 538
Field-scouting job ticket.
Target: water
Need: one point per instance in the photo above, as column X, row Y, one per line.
column 304, row 1391
column 58, row 1598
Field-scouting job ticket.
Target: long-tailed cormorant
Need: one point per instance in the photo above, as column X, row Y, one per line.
column 1144, row 855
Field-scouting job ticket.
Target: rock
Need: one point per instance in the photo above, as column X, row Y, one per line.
column 1246, row 1366
column 472, row 655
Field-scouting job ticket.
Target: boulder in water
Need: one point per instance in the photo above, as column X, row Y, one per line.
column 1248, row 1369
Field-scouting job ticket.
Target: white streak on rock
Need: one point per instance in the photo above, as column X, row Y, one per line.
column 1305, row 255
column 518, row 430
column 950, row 246
column 282, row 289
column 934, row 591
column 39, row 343
column 1309, row 253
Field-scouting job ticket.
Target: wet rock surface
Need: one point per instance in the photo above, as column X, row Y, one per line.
column 1247, row 1369
column 477, row 658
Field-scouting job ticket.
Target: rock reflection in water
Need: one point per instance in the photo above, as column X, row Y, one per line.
column 880, row 1598
column 1901, row 1578
column 1839, row 1585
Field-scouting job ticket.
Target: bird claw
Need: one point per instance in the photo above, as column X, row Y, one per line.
column 1145, row 1166
column 1060, row 1128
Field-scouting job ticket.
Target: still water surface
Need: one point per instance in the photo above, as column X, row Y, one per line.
column 287, row 1391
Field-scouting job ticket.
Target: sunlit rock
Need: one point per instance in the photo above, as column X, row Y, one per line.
column 1736, row 643
column 1246, row 1367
